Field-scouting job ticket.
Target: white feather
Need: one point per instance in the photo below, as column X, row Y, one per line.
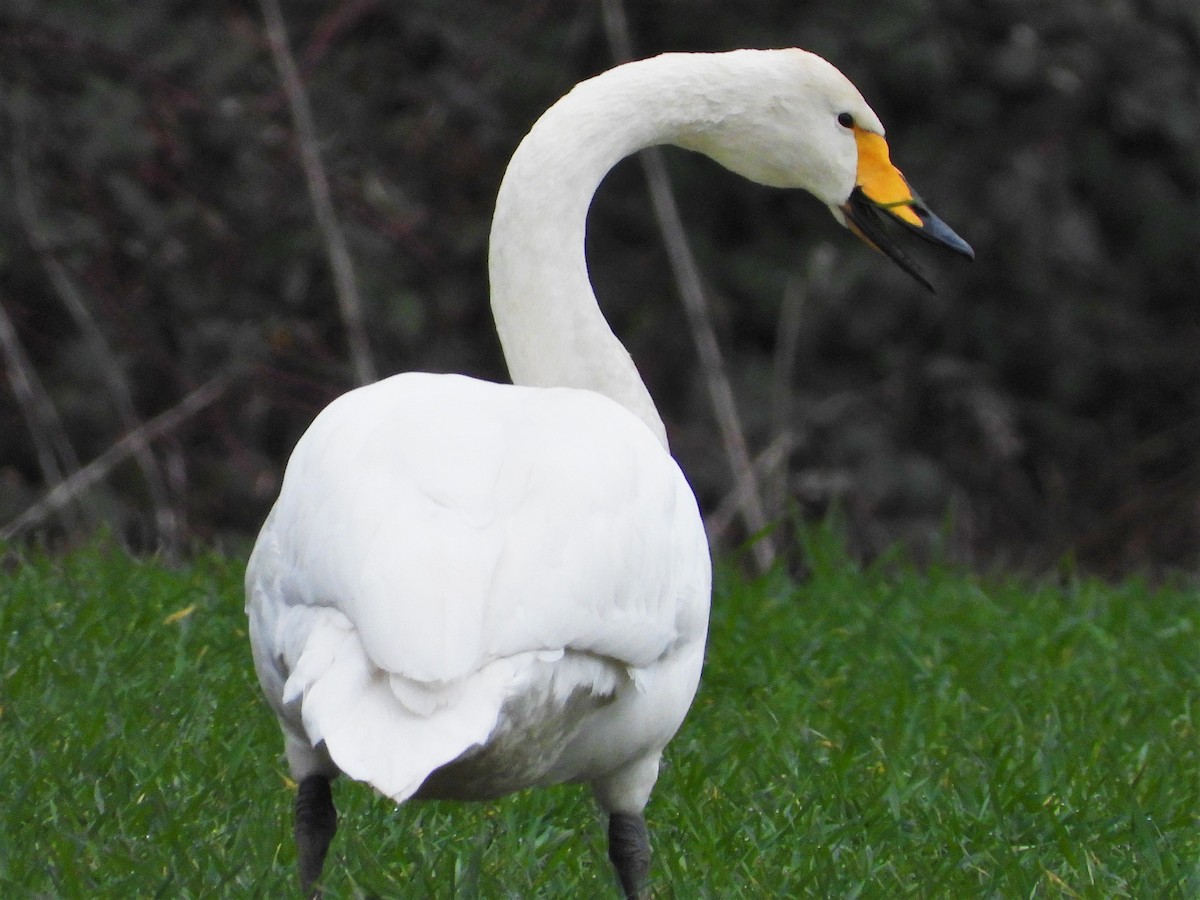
column 438, row 540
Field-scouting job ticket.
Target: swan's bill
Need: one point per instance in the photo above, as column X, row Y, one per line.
column 881, row 189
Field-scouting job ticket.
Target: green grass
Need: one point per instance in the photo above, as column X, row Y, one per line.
column 873, row 732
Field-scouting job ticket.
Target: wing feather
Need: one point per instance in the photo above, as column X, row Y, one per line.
column 454, row 522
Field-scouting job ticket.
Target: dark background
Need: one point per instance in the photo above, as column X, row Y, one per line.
column 1045, row 402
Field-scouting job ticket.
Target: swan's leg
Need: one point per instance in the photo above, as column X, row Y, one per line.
column 629, row 850
column 622, row 794
column 316, row 821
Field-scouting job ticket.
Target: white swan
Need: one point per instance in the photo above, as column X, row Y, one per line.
column 467, row 588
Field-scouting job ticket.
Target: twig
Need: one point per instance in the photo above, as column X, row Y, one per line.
column 787, row 345
column 345, row 284
column 332, row 25
column 616, row 28
column 767, row 465
column 712, row 362
column 78, row 482
column 691, row 290
column 784, row 363
column 166, row 520
column 55, row 455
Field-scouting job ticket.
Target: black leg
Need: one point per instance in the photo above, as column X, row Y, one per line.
column 316, row 821
column 629, row 850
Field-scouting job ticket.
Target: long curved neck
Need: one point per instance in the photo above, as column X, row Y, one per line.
column 550, row 326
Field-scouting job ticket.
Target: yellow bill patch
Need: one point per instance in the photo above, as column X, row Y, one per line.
column 880, row 180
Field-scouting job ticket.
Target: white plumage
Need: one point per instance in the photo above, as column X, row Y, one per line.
column 443, row 547
column 467, row 588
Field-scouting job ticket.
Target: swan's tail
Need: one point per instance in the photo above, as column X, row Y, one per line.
column 393, row 732
column 376, row 727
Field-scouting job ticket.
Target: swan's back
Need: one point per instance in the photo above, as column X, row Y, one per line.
column 442, row 546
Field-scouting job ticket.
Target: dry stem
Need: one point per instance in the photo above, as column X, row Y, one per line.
column 691, row 290
column 345, row 284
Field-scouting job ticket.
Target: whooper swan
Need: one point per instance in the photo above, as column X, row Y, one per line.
column 467, row 588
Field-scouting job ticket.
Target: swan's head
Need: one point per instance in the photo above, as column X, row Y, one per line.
column 788, row 118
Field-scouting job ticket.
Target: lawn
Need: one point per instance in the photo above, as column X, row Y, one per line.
column 874, row 731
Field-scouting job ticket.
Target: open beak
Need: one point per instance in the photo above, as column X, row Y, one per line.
column 880, row 195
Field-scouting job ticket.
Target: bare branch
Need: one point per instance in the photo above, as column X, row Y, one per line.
column 783, row 365
column 768, row 466
column 691, row 290
column 345, row 284
column 80, row 481
column 616, row 29
column 784, row 362
column 56, row 457
column 119, row 391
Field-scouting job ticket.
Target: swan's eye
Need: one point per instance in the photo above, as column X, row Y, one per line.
column 846, row 120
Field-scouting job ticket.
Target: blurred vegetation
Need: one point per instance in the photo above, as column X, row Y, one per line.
column 1045, row 401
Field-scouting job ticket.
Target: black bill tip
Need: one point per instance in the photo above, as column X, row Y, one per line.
column 867, row 218
column 937, row 232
